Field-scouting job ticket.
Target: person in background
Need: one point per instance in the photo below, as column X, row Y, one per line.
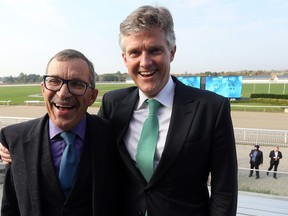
column 256, row 159
column 39, row 181
column 275, row 156
column 167, row 172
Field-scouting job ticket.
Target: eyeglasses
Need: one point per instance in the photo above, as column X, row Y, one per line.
column 75, row 87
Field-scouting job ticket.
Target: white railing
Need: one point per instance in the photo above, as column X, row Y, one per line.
column 264, row 108
column 5, row 121
column 33, row 102
column 248, row 136
column 263, row 137
column 5, row 102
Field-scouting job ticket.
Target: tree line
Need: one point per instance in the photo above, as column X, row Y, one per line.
column 122, row 77
column 35, row 78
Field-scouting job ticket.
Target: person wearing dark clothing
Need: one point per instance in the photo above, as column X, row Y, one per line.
column 164, row 182
column 256, row 159
column 45, row 179
column 275, row 156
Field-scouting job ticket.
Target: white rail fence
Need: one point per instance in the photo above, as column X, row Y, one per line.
column 264, row 137
column 264, row 108
column 5, row 121
column 247, row 136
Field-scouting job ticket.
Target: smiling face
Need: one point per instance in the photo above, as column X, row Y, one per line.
column 64, row 109
column 148, row 59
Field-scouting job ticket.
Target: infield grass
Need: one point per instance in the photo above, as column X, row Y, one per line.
column 18, row 94
column 275, row 88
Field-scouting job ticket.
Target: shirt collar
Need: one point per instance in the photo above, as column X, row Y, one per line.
column 79, row 130
column 165, row 96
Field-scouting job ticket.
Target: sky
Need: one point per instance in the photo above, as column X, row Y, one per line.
column 211, row 35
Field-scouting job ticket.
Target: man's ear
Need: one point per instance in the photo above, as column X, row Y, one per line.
column 124, row 58
column 93, row 96
column 172, row 53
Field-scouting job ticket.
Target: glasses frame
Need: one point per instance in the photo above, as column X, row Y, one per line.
column 65, row 81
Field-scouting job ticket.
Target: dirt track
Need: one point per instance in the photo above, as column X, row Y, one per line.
column 29, row 111
column 263, row 120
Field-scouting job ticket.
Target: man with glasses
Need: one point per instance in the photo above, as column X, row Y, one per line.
column 75, row 87
column 62, row 162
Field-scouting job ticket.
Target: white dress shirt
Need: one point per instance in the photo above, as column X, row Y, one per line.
column 165, row 97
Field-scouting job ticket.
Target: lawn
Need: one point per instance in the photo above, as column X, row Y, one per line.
column 17, row 94
column 275, row 88
column 20, row 93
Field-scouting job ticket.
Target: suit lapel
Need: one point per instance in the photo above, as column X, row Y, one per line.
column 183, row 112
column 33, row 152
column 121, row 120
column 48, row 168
column 31, row 156
column 123, row 113
column 184, row 109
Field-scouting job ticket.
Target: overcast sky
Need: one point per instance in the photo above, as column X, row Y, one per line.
column 211, row 35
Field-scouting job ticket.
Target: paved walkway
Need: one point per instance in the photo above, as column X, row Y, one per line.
column 266, row 184
column 252, row 204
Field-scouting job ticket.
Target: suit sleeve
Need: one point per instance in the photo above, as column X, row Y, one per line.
column 271, row 155
column 224, row 179
column 280, row 155
column 102, row 111
column 9, row 205
column 261, row 158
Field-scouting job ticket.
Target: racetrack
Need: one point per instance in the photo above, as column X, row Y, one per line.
column 241, row 119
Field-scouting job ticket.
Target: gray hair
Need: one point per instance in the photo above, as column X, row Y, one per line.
column 68, row 54
column 146, row 18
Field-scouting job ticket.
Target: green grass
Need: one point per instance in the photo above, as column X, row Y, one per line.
column 275, row 88
column 18, row 94
column 103, row 88
column 21, row 93
column 261, row 108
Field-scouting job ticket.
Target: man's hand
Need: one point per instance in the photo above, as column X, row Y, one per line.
column 5, row 155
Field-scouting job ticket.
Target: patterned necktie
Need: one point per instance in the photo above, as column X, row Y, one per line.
column 148, row 140
column 69, row 163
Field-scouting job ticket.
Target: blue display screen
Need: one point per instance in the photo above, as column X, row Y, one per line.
column 193, row 81
column 227, row 86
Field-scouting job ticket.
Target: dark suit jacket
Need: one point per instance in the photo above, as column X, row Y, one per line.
column 200, row 140
column 272, row 159
column 31, row 186
column 258, row 159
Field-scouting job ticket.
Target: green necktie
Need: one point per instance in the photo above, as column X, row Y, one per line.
column 148, row 140
column 69, row 163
